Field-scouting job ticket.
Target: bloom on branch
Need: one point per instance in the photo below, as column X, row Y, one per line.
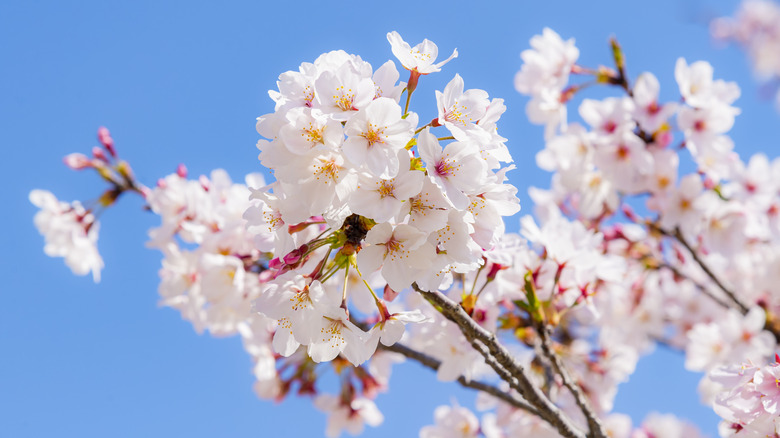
column 70, row 231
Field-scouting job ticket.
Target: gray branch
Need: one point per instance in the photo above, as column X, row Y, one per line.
column 501, row 360
column 434, row 364
column 594, row 423
column 729, row 293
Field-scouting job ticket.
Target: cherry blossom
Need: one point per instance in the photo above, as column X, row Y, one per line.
column 419, row 58
column 351, row 416
column 453, row 421
column 376, row 241
column 401, row 251
column 70, row 232
column 457, row 168
column 376, row 135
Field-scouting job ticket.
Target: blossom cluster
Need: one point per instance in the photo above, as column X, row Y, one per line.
column 700, row 256
column 392, row 196
column 210, row 270
column 71, row 232
column 458, row 421
column 370, row 199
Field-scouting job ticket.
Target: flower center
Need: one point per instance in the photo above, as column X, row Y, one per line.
column 327, row 169
column 392, row 246
column 312, row 134
column 373, row 134
column 308, row 95
column 301, row 299
column 344, row 99
column 457, row 114
column 386, row 189
column 623, row 153
column 444, row 168
column 332, row 333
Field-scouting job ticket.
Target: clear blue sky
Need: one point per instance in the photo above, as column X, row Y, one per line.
column 183, row 82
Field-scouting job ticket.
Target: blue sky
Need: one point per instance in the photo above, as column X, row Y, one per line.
column 182, row 82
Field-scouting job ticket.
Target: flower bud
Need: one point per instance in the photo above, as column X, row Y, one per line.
column 77, row 161
column 99, row 154
column 105, row 139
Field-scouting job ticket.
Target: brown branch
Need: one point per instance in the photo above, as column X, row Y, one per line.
column 501, row 360
column 771, row 325
column 434, row 364
column 594, row 423
column 698, row 285
column 729, row 293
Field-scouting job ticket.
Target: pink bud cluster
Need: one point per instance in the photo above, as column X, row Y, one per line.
column 70, row 230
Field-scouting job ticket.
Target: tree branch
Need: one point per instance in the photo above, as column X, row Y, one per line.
column 501, row 360
column 594, row 423
column 729, row 293
column 771, row 325
column 434, row 364
column 698, row 285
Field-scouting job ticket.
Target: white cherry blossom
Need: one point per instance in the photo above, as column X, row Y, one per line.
column 375, row 135
column 419, row 58
column 547, row 65
column 454, row 422
column 457, row 169
column 459, row 111
column 401, row 252
column 382, row 199
column 308, row 129
column 70, row 232
column 351, row 416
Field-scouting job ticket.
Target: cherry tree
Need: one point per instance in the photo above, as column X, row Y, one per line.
column 382, row 239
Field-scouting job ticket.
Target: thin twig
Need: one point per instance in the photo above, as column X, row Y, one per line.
column 594, row 423
column 698, row 285
column 434, row 364
column 729, row 293
column 770, row 325
column 677, row 234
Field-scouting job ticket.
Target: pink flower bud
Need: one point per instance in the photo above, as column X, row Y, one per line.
column 411, row 84
column 294, row 256
column 99, row 154
column 105, row 139
column 77, row 161
column 494, row 268
column 204, row 182
column 275, row 263
column 181, row 171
